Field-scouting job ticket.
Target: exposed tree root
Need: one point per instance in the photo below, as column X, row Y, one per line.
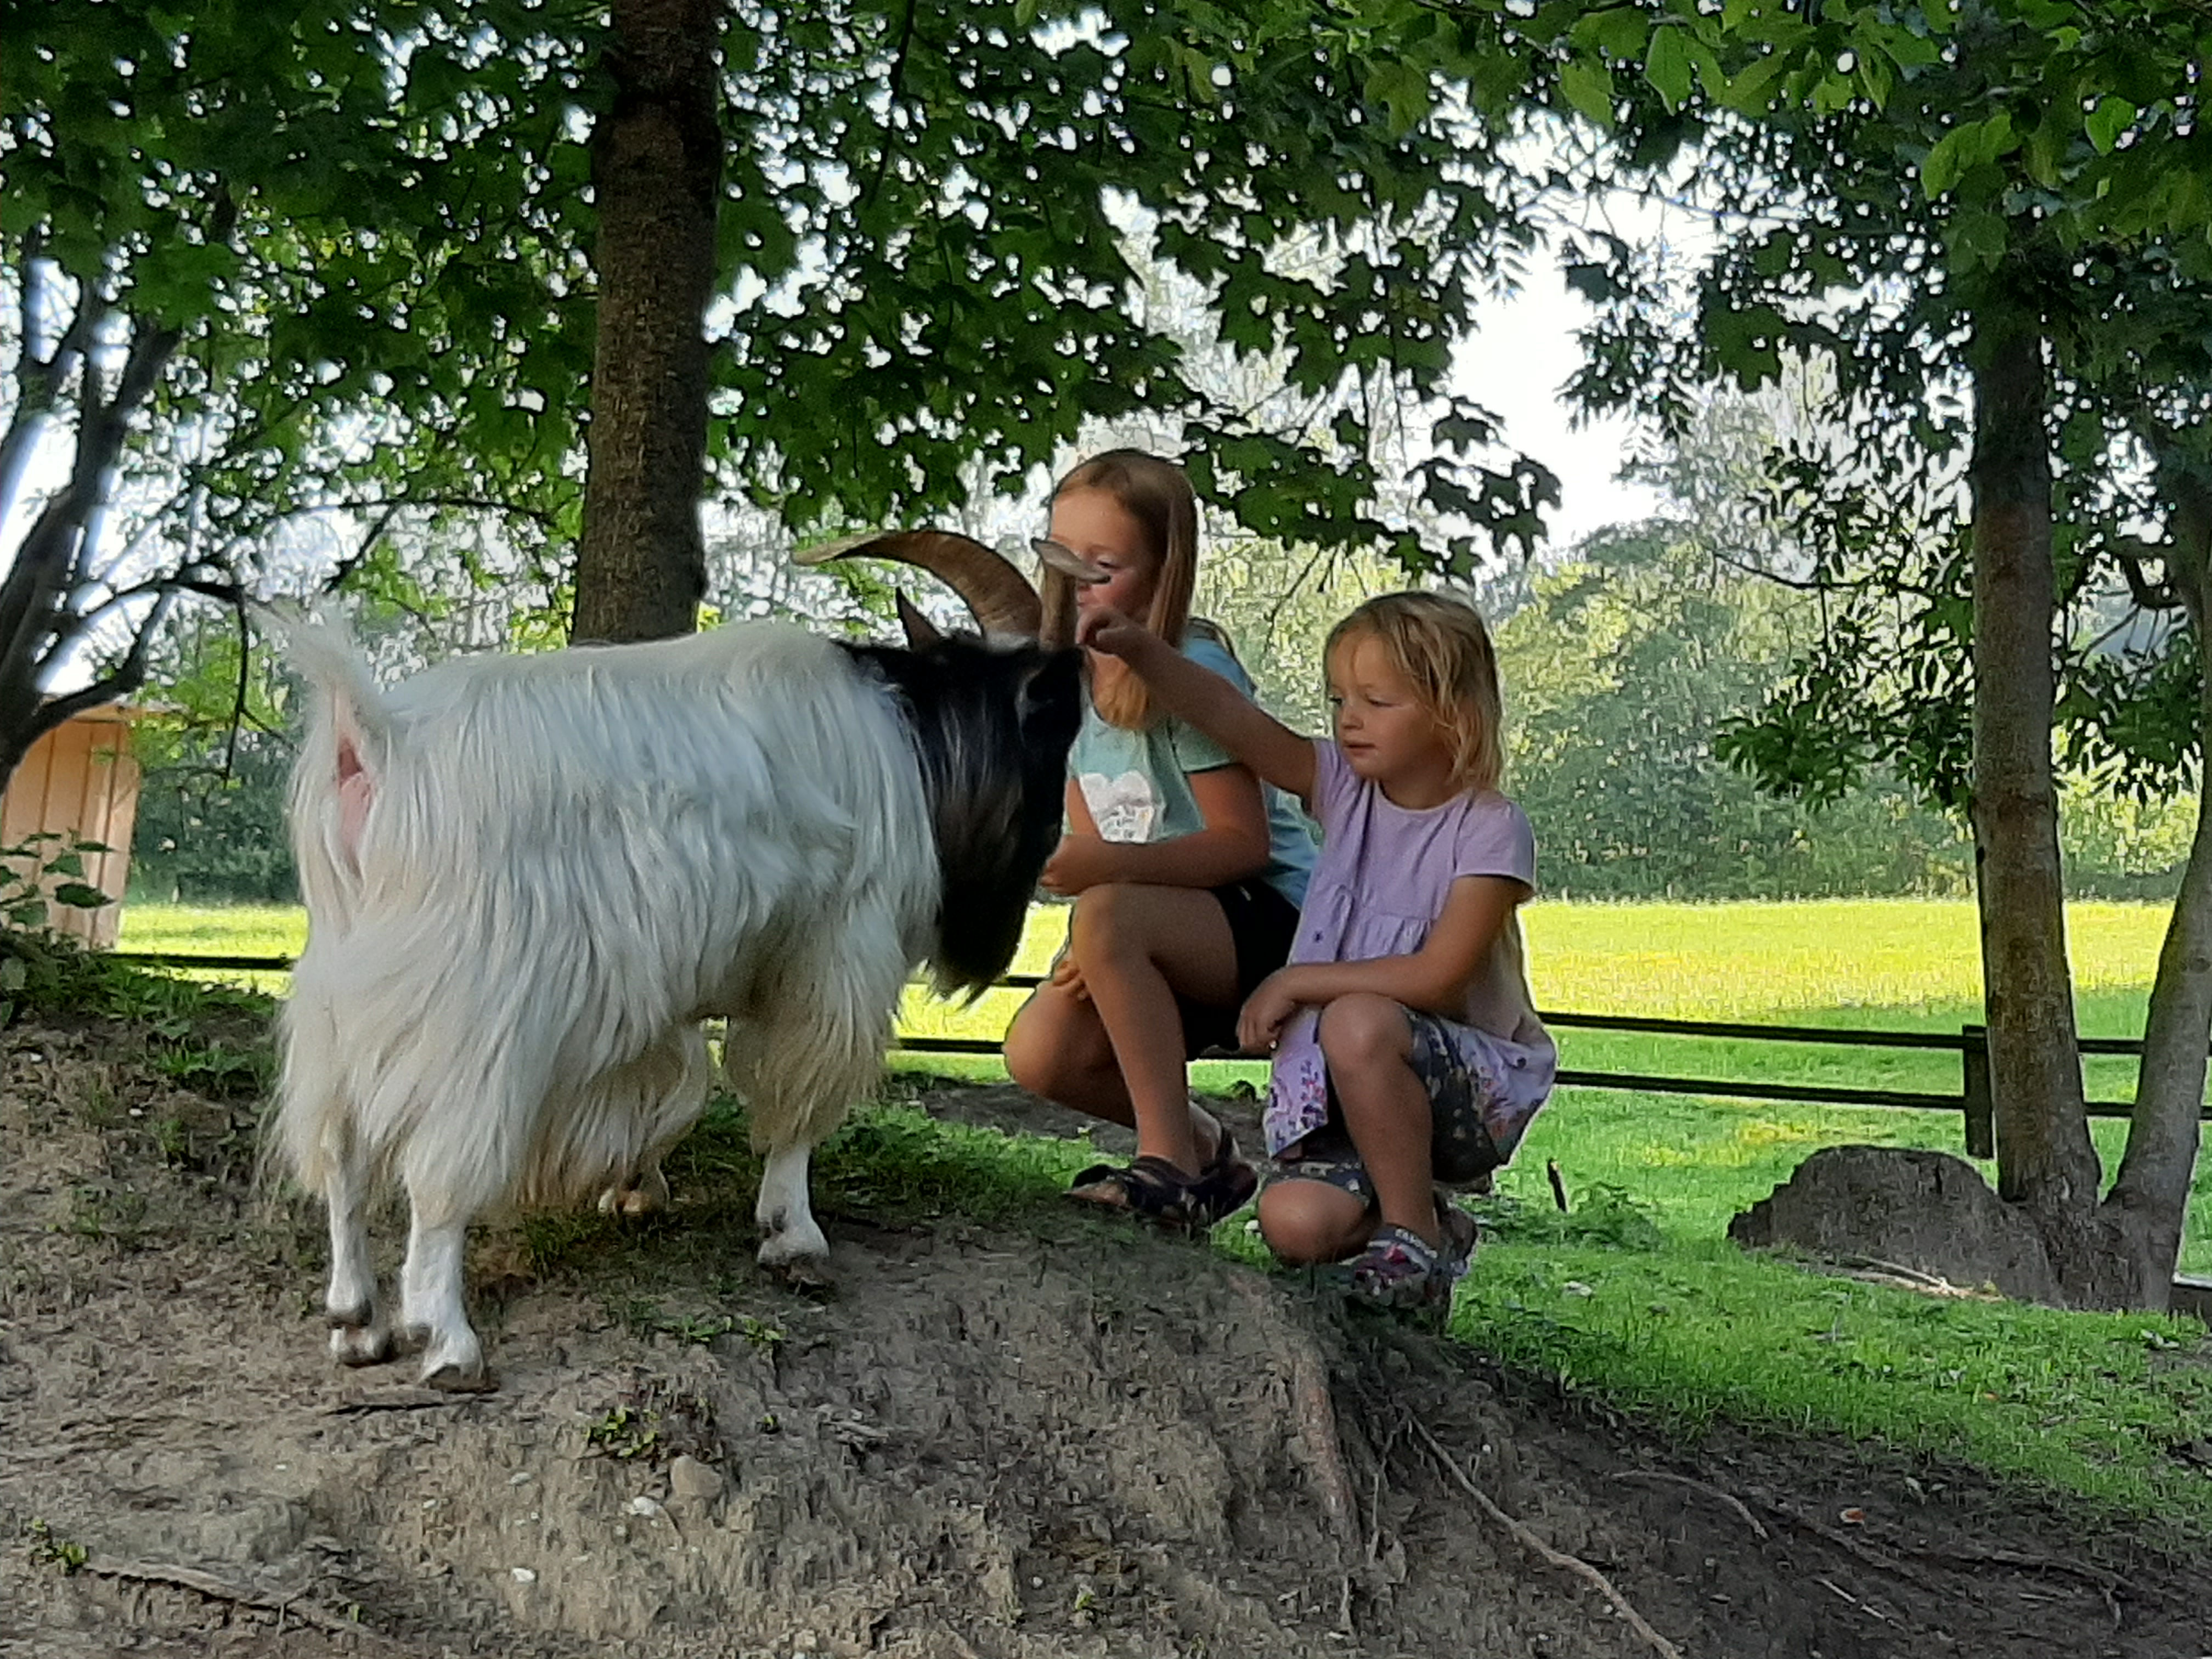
column 1714, row 1492
column 1536, row 1547
column 217, row 1590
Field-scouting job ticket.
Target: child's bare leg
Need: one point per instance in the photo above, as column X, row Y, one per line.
column 1369, row 1047
column 1308, row 1222
column 1057, row 1046
column 1138, row 947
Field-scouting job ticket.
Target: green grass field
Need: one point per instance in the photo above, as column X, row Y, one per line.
column 1634, row 1296
column 1879, row 963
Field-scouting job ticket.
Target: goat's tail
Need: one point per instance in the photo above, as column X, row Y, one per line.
column 343, row 759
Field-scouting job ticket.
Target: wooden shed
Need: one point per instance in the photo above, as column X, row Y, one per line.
column 80, row 780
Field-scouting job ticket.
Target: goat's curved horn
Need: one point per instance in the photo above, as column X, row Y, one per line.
column 998, row 595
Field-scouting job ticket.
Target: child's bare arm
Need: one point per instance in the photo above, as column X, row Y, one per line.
column 1277, row 754
column 1433, row 978
column 1232, row 845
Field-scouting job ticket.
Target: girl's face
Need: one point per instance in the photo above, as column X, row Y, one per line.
column 1387, row 735
column 1093, row 522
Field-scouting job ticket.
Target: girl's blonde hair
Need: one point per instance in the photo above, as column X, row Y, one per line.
column 1441, row 647
column 1158, row 497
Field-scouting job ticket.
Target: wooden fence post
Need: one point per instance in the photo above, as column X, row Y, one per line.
column 1980, row 1105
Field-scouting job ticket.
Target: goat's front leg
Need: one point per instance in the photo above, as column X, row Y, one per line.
column 431, row 1305
column 357, row 1337
column 792, row 1244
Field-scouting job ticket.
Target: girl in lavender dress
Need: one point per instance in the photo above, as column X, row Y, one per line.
column 1406, row 1049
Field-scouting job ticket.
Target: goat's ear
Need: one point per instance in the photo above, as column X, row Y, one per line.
column 919, row 631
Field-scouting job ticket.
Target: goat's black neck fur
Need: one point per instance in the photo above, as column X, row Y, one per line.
column 991, row 726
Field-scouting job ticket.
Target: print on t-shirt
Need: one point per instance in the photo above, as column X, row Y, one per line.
column 1124, row 808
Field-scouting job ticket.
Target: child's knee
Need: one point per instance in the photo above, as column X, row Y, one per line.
column 1363, row 1029
column 1307, row 1222
column 1107, row 922
column 1044, row 1050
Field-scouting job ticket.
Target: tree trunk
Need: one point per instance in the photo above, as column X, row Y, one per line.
column 2150, row 1200
column 2044, row 1160
column 657, row 171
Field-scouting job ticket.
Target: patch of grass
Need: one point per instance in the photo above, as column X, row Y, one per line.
column 655, row 1422
column 218, row 1069
column 48, row 1549
column 1693, row 1334
column 238, row 930
column 116, row 1215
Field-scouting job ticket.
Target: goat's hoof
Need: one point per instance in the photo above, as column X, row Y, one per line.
column 361, row 1344
column 633, row 1203
column 455, row 1377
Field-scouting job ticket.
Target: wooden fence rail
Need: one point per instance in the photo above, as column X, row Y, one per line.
column 1971, row 1100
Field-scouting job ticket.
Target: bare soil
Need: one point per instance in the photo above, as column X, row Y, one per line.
column 1070, row 1439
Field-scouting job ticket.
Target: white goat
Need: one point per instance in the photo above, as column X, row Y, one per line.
column 528, row 880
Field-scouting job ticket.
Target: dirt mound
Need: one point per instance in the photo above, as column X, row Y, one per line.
column 1926, row 1210
column 1078, row 1440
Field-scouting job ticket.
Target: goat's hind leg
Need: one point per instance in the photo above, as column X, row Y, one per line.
column 358, row 1337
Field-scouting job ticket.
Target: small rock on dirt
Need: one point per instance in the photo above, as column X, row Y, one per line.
column 690, row 1481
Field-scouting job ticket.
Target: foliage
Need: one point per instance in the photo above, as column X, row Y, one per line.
column 655, row 1422
column 352, row 243
column 263, row 265
column 44, row 869
column 202, row 835
column 1621, row 675
column 1870, row 235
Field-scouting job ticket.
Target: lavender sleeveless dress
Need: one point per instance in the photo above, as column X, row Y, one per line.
column 1380, row 882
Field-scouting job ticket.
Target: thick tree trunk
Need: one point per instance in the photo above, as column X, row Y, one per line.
column 2150, row 1199
column 657, row 170
column 2044, row 1160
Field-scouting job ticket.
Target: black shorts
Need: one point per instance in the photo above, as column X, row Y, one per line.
column 1262, row 922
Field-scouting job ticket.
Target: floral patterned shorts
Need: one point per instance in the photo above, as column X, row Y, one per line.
column 1461, row 1150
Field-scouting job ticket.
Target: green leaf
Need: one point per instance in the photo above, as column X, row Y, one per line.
column 2111, row 117
column 1747, row 92
column 79, row 896
column 1667, row 66
column 1587, row 85
column 1402, row 88
column 1945, row 161
column 1618, row 32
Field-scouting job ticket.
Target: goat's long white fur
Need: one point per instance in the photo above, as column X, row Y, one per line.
column 529, row 879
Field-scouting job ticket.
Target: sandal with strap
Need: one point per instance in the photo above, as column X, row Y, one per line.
column 1149, row 1187
column 1227, row 1182
column 1400, row 1269
column 1155, row 1189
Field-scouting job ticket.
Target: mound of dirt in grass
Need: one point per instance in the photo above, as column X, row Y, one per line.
column 1072, row 1439
column 1925, row 1211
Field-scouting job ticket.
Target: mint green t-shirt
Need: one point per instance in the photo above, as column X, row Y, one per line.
column 1137, row 784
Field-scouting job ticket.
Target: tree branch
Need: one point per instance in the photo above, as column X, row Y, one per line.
column 2129, row 552
column 891, row 109
column 347, row 566
column 39, row 381
column 128, row 676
